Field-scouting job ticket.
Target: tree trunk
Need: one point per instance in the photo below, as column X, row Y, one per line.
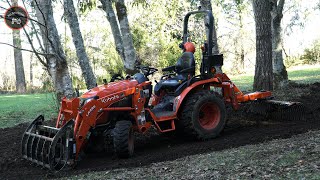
column 107, row 7
column 206, row 5
column 242, row 60
column 31, row 71
column 241, row 63
column 263, row 78
column 18, row 62
column 280, row 74
column 56, row 60
column 83, row 59
column 129, row 51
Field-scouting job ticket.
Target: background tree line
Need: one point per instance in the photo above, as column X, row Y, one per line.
column 100, row 38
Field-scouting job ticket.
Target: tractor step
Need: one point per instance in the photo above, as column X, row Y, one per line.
column 161, row 114
column 164, row 120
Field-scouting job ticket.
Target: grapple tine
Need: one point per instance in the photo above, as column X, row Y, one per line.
column 60, row 160
column 36, row 152
column 43, row 153
column 26, row 135
column 31, row 147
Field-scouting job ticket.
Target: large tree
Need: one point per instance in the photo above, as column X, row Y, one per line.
column 206, row 5
column 72, row 19
column 55, row 59
column 280, row 74
column 129, row 51
column 121, row 32
column 263, row 78
column 111, row 16
column 18, row 61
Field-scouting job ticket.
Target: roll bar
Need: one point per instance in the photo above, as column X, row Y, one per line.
column 210, row 27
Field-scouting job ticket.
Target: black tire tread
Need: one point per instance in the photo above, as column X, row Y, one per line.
column 186, row 122
column 121, row 139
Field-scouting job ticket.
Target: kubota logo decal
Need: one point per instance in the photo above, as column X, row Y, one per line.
column 91, row 109
column 107, row 99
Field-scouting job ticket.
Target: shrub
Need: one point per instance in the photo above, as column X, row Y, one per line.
column 312, row 55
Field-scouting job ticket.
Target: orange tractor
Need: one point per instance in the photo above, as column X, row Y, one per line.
column 116, row 110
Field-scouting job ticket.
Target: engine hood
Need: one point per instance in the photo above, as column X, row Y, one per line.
column 110, row 88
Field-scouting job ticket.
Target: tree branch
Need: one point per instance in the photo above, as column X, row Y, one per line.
column 34, row 28
column 280, row 6
column 57, row 53
column 30, row 41
column 22, row 49
column 3, row 8
column 34, row 50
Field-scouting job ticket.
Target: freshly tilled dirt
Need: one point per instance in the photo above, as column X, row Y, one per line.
column 241, row 129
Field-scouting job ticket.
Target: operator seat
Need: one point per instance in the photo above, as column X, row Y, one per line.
column 185, row 68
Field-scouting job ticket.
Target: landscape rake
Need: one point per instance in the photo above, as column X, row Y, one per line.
column 278, row 110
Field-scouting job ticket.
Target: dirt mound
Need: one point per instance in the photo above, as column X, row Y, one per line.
column 241, row 130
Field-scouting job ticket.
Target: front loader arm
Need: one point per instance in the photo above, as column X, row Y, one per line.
column 89, row 114
column 60, row 146
column 68, row 111
column 85, row 120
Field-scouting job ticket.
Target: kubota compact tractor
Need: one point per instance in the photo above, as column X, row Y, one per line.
column 114, row 111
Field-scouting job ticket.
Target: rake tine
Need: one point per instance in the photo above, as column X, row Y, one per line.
column 281, row 110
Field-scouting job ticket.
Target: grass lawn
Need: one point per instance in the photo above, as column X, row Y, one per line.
column 15, row 109
column 304, row 74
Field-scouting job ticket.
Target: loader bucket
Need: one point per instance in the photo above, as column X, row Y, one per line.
column 279, row 110
column 50, row 147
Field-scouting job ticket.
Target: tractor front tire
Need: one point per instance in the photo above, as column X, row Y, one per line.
column 202, row 115
column 123, row 139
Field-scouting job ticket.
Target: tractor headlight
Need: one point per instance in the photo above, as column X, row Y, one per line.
column 175, row 103
column 88, row 100
column 84, row 101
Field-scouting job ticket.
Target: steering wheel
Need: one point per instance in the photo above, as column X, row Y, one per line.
column 167, row 76
column 147, row 70
column 116, row 77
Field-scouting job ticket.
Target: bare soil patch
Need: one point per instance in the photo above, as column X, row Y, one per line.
column 241, row 130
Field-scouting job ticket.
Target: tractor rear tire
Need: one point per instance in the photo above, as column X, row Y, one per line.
column 203, row 115
column 123, row 139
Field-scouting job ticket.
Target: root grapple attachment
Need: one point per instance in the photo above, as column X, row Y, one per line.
column 278, row 110
column 50, row 147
